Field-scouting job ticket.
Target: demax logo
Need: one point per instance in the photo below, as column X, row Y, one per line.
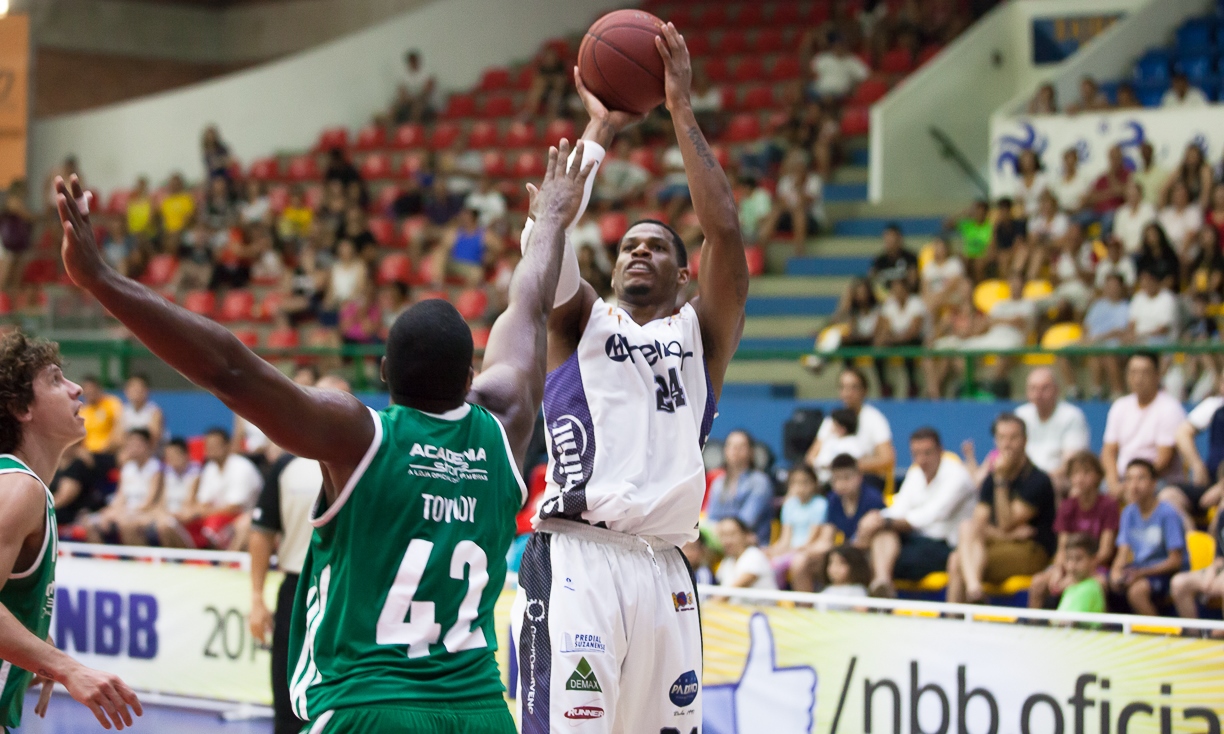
column 569, row 443
column 619, row 349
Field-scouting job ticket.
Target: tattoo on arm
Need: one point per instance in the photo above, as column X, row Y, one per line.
column 703, row 149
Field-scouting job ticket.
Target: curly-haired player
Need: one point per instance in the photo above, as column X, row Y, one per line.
column 39, row 420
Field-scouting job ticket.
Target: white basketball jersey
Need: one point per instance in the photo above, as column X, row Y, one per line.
column 626, row 418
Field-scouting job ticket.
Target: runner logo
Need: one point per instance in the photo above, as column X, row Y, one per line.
column 583, row 679
column 584, row 713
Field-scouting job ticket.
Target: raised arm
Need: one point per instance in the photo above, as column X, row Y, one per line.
column 326, row 425
column 511, row 382
column 723, row 278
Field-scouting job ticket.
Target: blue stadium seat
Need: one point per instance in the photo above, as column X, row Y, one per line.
column 1150, row 96
column 1195, row 36
column 1110, row 90
column 1153, row 68
column 1219, row 34
column 1199, row 69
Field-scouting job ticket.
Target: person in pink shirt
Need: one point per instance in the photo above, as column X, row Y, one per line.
column 1141, row 425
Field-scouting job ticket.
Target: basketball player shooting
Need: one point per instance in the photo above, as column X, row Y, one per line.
column 606, row 622
column 393, row 620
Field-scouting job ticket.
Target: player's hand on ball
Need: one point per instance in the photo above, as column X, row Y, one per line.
column 677, row 65
column 616, row 119
column 82, row 258
column 561, row 193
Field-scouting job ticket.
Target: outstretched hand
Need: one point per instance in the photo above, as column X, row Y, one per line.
column 617, row 120
column 561, row 192
column 677, row 65
column 82, row 258
column 106, row 695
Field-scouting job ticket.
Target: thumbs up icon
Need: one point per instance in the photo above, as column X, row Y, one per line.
column 766, row 698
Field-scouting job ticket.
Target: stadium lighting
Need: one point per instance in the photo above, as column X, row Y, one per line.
column 4, row 7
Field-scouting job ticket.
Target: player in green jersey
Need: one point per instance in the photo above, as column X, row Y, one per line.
column 393, row 622
column 39, row 420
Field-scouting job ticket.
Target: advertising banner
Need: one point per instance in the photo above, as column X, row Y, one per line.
column 1055, row 39
column 1092, row 135
column 14, row 96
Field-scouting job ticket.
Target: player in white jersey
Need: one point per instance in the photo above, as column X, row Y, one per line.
column 606, row 624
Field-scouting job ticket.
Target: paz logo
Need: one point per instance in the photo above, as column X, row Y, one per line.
column 583, row 678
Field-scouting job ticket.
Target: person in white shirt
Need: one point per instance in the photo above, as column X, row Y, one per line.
column 219, row 516
column 139, row 411
column 620, row 179
column 1031, row 182
column 674, row 193
column 915, row 535
column 416, row 91
column 1116, row 262
column 1181, row 219
column 124, row 519
column 1141, row 425
column 843, row 441
column 180, row 478
column 488, row 203
column 798, row 205
column 903, row 322
column 874, row 433
column 1056, row 429
column 1132, row 217
column 1071, row 186
column 744, row 565
column 836, row 72
column 1183, row 94
column 1204, row 489
column 1153, row 312
column 944, row 280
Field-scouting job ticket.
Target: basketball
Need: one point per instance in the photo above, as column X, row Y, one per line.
column 619, row 63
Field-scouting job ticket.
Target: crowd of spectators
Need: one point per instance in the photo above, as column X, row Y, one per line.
column 1084, row 531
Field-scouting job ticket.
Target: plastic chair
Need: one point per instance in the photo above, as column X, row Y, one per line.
column 249, row 337
column 376, row 166
column 472, row 304
column 759, row 98
column 480, row 337
column 238, row 305
column 483, row 135
column 303, row 168
column 750, row 69
column 716, row 69
column 408, row 136
column 988, row 293
column 756, row 260
column 201, row 302
column 160, row 270
column 855, row 121
column 494, row 163
column 1062, row 335
column 498, row 105
column 521, row 135
column 412, row 164
column 270, row 306
column 264, row 169
column 1194, row 36
column 1036, row 289
column 529, row 164
column 869, row 92
column 897, row 61
column 371, row 137
column 495, row 79
column 285, row 338
column 785, row 69
column 1202, row 549
column 117, row 204
column 646, row 158
column 558, row 129
column 383, row 230
column 333, row 137
column 444, row 135
column 742, row 128
column 612, row 226
column 395, row 268
column 459, row 105
column 732, row 43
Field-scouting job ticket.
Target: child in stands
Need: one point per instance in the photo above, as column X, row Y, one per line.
column 1084, row 592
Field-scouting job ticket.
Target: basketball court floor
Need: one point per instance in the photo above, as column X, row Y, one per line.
column 66, row 716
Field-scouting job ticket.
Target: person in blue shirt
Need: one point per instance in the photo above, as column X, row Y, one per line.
column 743, row 491
column 1104, row 325
column 847, row 505
column 803, row 514
column 1151, row 543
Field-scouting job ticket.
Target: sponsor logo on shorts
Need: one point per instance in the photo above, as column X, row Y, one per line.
column 582, row 643
column 684, row 601
column 584, row 713
column 583, row 679
column 684, row 691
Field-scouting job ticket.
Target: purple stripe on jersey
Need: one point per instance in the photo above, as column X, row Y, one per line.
column 534, row 644
column 571, row 437
column 711, row 406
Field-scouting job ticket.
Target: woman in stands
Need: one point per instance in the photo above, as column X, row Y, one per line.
column 1195, row 173
column 1158, row 256
column 1031, row 182
column 860, row 311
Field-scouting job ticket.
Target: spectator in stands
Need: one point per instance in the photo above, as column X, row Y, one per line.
column 1006, row 326
column 944, row 281
column 896, row 261
column 177, row 206
column 837, row 71
column 1116, row 262
column 296, row 219
column 139, row 411
column 140, row 211
column 1151, row 542
column 875, row 437
column 16, row 233
column 1056, row 429
column 1158, row 257
column 1214, row 216
column 1153, row 312
column 1091, row 98
column 219, row 211
column 1085, row 513
column 976, row 230
column 756, row 207
column 232, row 267
column 847, row 572
column 621, row 180
column 228, row 487
column 1046, row 229
column 1135, row 214
column 850, row 502
column 1149, row 175
column 853, row 324
column 466, row 250
column 1187, row 587
column 1031, row 181
column 488, row 203
column 698, row 554
column 340, row 168
column 392, row 301
column 1106, row 324
column 218, row 162
column 129, row 510
column 361, row 319
column 414, row 99
column 255, row 205
column 743, row 491
column 673, row 195
column 803, row 513
column 744, row 565
column 180, row 480
column 706, row 101
column 1084, row 592
column 1011, row 532
column 915, row 535
column 1071, row 185
column 1180, row 219
column 903, row 323
column 103, row 416
column 1195, row 173
column 841, row 441
column 548, row 86
column 1108, row 191
column 1141, row 425
column 1045, row 101
column 798, row 204
column 1126, row 97
column 1181, row 94
column 73, row 489
column 1071, row 270
column 1208, row 416
column 1007, row 242
column 349, row 274
column 195, row 261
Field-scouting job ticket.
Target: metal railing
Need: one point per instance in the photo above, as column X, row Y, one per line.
column 948, row 149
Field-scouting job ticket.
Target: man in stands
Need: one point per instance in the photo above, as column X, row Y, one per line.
column 1109, row 191
column 1208, row 583
column 850, row 502
column 1141, row 425
column 124, row 519
column 1199, row 493
column 743, row 491
column 915, row 535
column 1057, row 430
column 1182, row 94
column 229, row 485
column 1154, row 312
column 878, row 455
column 1011, row 532
column 837, row 71
column 1151, row 542
column 103, row 414
column 415, row 97
column 896, row 261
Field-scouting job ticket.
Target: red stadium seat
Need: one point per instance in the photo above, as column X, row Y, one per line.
column 160, row 270
column 561, row 46
column 409, row 136
column 758, row 98
column 333, row 137
column 412, row 165
column 483, row 135
column 278, row 198
column 612, row 226
column 264, row 169
column 732, row 43
column 371, row 137
column 722, row 155
column 270, row 306
column 376, row 166
column 785, row 69
column 238, row 305
column 855, row 121
column 698, row 43
column 303, row 168
column 769, row 41
column 756, row 260
column 383, row 230
column 444, row 135
column 42, row 271
column 749, row 14
column 898, row 61
column 716, row 69
column 459, row 105
column 249, row 337
column 749, row 69
column 386, row 197
column 713, row 16
column 787, row 15
column 682, row 16
column 558, row 129
column 432, row 295
column 819, row 14
column 529, row 164
column 521, row 135
column 694, row 262
column 118, row 201
column 201, row 302
column 495, row 79
column 743, row 128
column 498, row 105
column 646, row 158
column 868, row 92
column 395, row 268
column 480, row 337
column 285, row 338
column 494, row 163
column 413, row 228
column 730, row 96
column 522, row 78
column 472, row 304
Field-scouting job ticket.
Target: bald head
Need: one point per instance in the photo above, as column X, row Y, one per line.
column 1041, row 389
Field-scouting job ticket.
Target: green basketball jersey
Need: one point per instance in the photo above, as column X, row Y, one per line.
column 29, row 595
column 395, row 602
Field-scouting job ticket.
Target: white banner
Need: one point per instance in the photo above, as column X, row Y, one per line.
column 176, row 628
column 1092, row 135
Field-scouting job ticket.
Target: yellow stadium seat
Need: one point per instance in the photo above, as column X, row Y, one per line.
column 931, row 614
column 926, row 255
column 1010, row 587
column 1100, row 250
column 1156, row 629
column 988, row 293
column 1037, row 289
column 989, row 617
column 1056, row 337
column 933, row 582
column 1202, row 549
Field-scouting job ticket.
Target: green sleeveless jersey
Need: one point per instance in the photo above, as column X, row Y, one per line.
column 395, row 601
column 29, row 595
